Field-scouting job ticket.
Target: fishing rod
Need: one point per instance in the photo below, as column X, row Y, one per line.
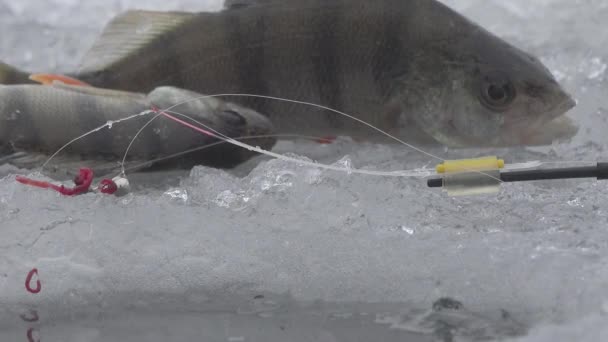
column 485, row 175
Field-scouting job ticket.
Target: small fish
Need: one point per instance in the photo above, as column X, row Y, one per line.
column 413, row 68
column 40, row 119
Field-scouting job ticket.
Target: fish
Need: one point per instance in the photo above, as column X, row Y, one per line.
column 415, row 69
column 38, row 120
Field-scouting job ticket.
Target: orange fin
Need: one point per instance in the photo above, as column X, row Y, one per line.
column 49, row 79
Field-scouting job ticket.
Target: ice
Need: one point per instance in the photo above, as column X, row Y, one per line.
column 589, row 329
column 277, row 251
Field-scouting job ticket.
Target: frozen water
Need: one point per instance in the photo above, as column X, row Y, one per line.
column 275, row 251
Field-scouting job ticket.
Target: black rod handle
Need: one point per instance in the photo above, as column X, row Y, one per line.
column 600, row 171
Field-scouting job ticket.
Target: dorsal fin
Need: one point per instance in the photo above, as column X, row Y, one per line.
column 128, row 32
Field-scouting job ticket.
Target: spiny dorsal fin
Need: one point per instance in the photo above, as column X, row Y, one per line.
column 127, row 33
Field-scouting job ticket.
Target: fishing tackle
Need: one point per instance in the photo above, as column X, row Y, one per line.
column 484, row 175
column 459, row 177
column 82, row 182
column 118, row 185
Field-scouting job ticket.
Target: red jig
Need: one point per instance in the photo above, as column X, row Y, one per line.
column 82, row 184
column 108, row 186
column 32, row 317
column 28, row 282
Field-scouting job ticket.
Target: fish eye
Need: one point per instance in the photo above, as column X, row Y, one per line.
column 497, row 92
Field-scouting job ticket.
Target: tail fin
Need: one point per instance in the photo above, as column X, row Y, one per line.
column 10, row 75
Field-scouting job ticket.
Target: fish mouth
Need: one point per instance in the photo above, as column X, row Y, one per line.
column 560, row 129
column 550, row 126
column 556, row 126
column 562, row 107
column 553, row 128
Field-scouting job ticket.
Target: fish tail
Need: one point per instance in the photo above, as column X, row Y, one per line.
column 11, row 75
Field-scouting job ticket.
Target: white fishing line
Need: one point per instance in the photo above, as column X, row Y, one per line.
column 312, row 105
column 122, row 163
column 107, row 124
column 420, row 172
column 404, row 173
column 196, row 149
column 401, row 173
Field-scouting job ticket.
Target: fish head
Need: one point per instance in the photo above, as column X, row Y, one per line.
column 227, row 118
column 258, row 129
column 475, row 89
column 215, row 116
column 245, row 125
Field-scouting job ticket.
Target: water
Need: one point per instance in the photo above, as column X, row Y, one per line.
column 274, row 252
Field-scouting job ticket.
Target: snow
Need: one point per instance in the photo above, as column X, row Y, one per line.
column 334, row 256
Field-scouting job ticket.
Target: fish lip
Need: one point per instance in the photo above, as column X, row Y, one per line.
column 563, row 107
column 554, row 114
column 560, row 129
column 543, row 132
column 524, row 134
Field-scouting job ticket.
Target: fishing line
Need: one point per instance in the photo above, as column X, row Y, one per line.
column 107, row 124
column 275, row 155
column 312, row 105
column 404, row 173
column 196, row 149
column 122, row 163
column 401, row 173
column 225, row 139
